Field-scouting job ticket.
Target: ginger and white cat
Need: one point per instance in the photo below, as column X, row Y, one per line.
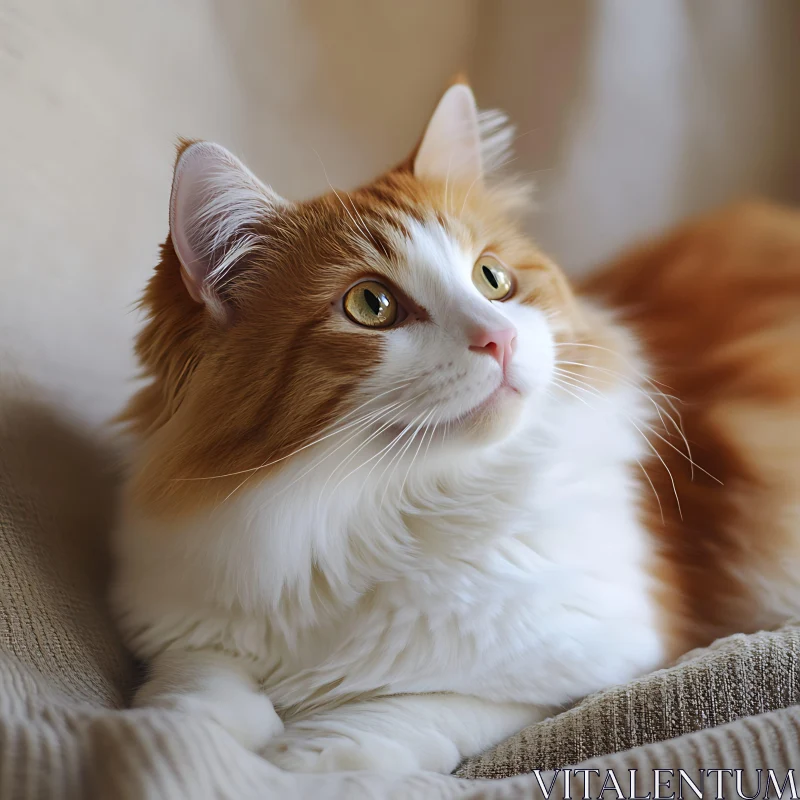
column 400, row 490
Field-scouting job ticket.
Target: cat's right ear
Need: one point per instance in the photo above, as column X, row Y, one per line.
column 217, row 210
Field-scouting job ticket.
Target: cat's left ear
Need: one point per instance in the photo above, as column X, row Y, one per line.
column 451, row 147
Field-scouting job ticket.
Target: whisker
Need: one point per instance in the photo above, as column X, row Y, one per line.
column 380, row 455
column 466, row 196
column 669, row 471
column 613, row 352
column 305, row 446
column 631, row 385
column 446, row 181
column 357, row 229
column 693, row 464
column 419, row 447
column 652, row 486
column 400, row 406
column 641, row 466
column 383, row 452
column 683, row 455
column 668, row 397
column 564, row 389
column 358, row 450
column 397, row 458
column 433, row 432
column 648, row 442
column 382, row 415
column 639, row 374
column 359, row 428
column 282, row 458
column 365, row 227
column 402, row 384
column 659, row 410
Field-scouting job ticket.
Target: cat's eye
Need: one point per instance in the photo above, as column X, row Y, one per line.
column 492, row 279
column 371, row 304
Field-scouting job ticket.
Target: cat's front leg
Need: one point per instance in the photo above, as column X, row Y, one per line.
column 214, row 686
column 401, row 733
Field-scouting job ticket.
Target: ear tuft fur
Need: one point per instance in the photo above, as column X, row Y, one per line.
column 496, row 138
column 216, row 208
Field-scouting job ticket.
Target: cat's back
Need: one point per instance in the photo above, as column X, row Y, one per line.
column 729, row 277
column 717, row 308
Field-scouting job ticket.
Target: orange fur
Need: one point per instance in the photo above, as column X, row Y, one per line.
column 717, row 307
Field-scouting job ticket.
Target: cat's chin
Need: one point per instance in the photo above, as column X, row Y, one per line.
column 492, row 420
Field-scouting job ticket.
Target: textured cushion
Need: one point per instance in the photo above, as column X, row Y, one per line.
column 736, row 677
column 64, row 677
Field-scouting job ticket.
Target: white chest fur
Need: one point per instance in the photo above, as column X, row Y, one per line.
column 519, row 576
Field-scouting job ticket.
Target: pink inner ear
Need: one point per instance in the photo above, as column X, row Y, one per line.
column 190, row 190
column 451, row 146
column 215, row 201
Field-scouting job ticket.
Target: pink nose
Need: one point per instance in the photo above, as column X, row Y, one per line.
column 498, row 343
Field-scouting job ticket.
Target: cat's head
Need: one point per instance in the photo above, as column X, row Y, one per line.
column 409, row 307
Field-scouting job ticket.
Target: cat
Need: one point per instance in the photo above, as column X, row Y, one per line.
column 400, row 489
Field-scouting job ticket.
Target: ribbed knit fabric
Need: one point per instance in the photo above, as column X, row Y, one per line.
column 737, row 677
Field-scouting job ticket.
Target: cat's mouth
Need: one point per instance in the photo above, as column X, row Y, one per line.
column 488, row 411
column 493, row 413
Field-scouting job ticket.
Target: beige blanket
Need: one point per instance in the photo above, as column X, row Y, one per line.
column 64, row 680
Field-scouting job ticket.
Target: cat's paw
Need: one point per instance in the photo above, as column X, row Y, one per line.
column 249, row 717
column 340, row 754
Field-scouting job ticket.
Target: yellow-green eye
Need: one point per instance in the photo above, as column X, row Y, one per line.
column 492, row 279
column 371, row 304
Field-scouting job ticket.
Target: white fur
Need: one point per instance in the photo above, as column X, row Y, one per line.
column 496, row 135
column 502, row 566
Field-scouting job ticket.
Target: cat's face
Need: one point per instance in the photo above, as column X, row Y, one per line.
column 450, row 318
column 406, row 311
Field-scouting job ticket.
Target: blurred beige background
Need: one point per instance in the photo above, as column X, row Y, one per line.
column 631, row 116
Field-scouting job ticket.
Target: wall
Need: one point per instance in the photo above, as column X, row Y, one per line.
column 635, row 115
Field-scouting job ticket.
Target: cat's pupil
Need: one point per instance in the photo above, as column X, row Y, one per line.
column 372, row 301
column 491, row 277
